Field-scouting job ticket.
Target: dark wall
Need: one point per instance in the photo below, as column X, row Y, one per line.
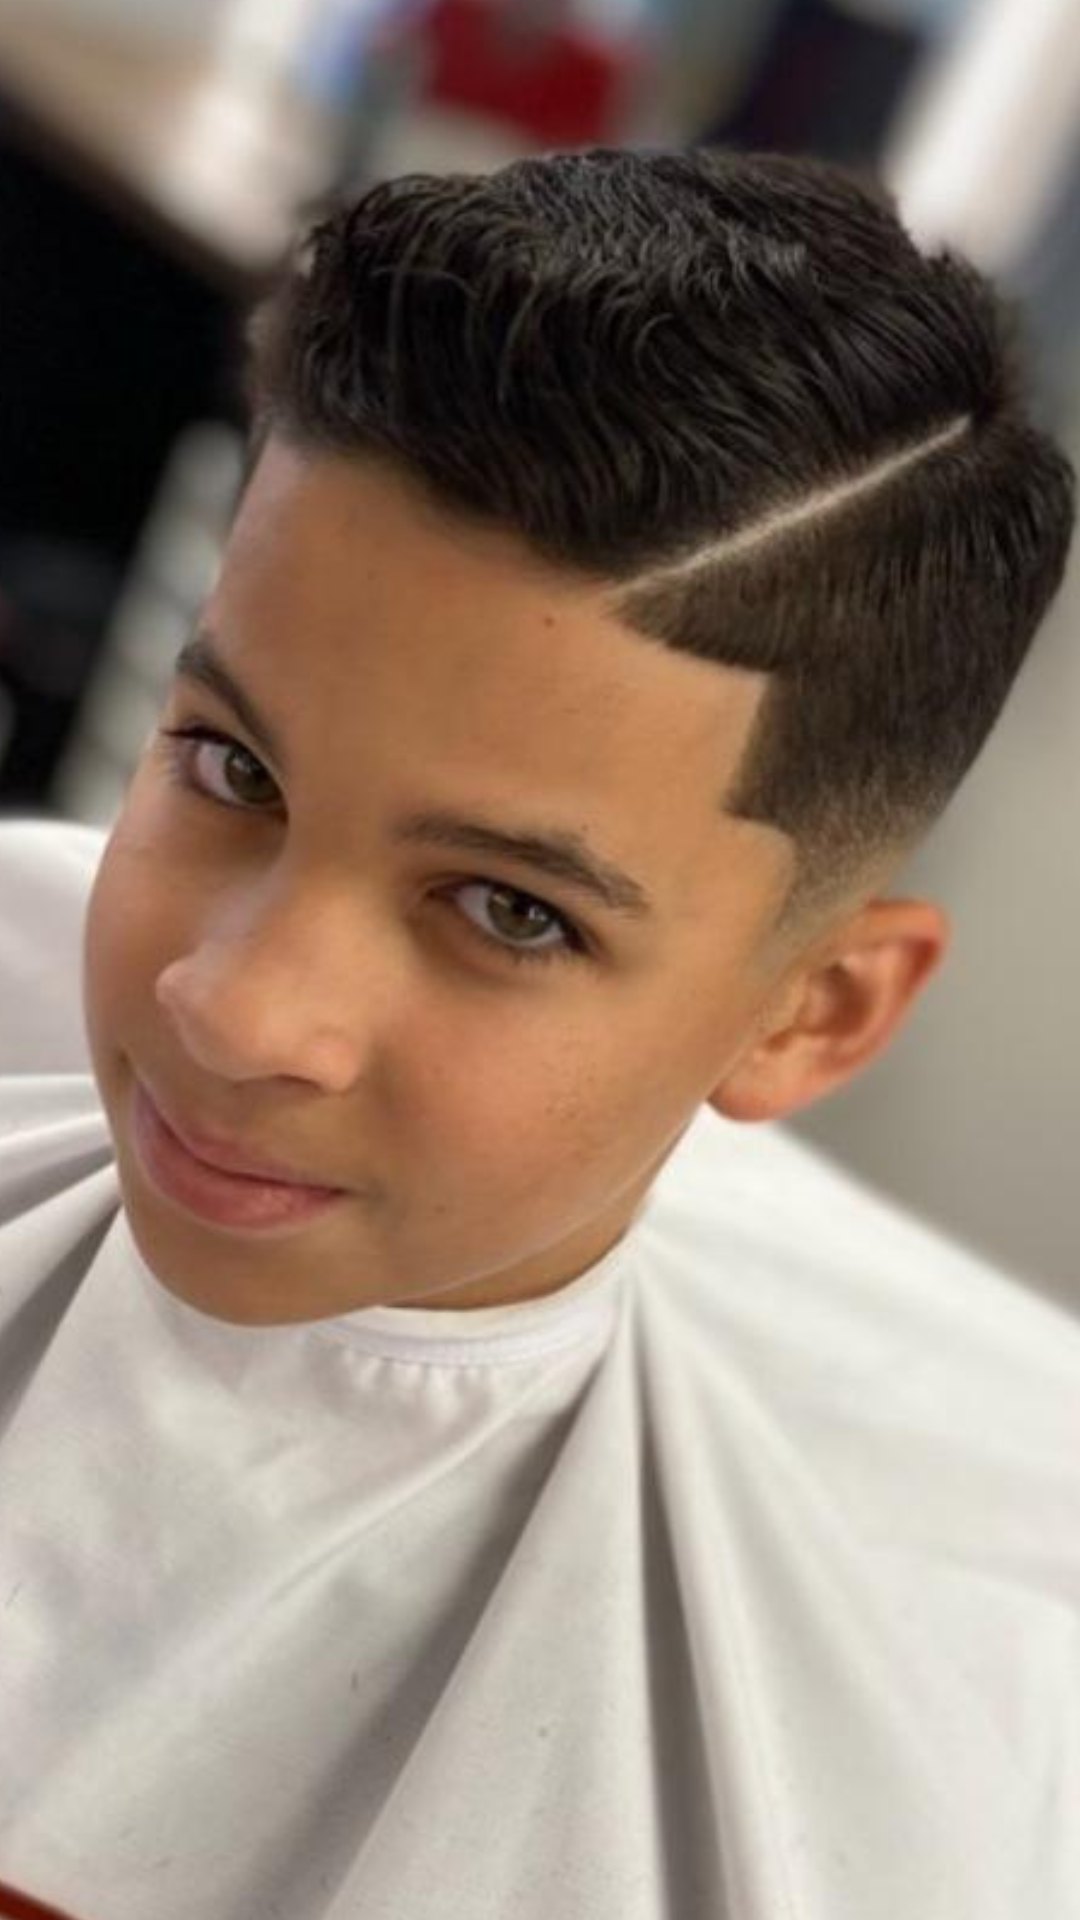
column 109, row 346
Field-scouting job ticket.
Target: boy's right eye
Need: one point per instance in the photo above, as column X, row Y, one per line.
column 189, row 748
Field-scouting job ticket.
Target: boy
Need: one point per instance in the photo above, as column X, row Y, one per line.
column 453, row 1466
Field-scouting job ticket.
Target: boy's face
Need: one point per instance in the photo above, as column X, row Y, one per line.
column 285, row 954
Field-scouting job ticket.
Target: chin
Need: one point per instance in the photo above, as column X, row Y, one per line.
column 224, row 1283
column 239, row 1305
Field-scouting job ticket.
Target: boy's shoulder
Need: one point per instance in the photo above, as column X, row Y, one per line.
column 47, row 868
column 784, row 1225
column 933, row 1396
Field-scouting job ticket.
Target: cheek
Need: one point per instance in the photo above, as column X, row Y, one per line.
column 133, row 925
column 582, row 1109
column 542, row 1109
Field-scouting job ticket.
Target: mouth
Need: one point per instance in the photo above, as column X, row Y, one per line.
column 227, row 1156
column 247, row 1194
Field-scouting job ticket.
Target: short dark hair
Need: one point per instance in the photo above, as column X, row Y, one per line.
column 733, row 386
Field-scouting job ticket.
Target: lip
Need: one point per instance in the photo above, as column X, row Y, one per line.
column 229, row 1196
column 224, row 1157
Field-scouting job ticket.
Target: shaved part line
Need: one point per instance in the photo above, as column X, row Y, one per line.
column 815, row 506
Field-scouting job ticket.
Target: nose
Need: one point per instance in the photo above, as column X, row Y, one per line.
column 277, row 984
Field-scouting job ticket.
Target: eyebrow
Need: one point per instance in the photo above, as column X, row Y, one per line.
column 558, row 852
column 197, row 660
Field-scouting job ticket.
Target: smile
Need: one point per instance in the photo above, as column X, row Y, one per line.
column 239, row 1200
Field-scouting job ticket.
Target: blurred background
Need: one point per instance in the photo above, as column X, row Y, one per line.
column 155, row 158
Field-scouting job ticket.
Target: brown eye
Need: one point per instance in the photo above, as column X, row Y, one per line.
column 517, row 924
column 245, row 777
column 219, row 768
column 518, row 916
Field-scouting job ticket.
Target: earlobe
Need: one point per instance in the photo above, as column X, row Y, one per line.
column 839, row 1014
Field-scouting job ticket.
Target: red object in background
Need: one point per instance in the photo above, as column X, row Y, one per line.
column 552, row 80
column 20, row 1906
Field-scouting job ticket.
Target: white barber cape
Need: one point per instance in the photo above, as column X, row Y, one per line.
column 739, row 1580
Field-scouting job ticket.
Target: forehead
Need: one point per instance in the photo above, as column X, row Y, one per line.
column 362, row 617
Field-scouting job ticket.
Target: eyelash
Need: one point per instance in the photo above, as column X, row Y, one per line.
column 179, row 744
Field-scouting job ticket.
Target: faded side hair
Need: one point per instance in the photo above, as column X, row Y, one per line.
column 732, row 387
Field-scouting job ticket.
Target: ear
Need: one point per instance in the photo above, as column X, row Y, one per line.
column 835, row 1010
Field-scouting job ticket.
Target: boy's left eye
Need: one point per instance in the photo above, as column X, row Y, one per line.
column 244, row 779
